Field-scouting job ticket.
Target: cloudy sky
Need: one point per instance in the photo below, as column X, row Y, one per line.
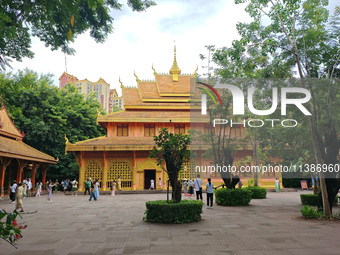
column 142, row 39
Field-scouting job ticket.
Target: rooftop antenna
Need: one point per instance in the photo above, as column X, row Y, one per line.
column 65, row 62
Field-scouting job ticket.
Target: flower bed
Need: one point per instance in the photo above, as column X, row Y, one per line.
column 186, row 211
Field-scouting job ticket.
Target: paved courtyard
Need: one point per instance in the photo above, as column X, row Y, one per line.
column 113, row 225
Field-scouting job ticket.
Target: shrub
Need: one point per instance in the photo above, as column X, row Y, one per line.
column 313, row 199
column 233, row 197
column 257, row 192
column 184, row 212
column 310, row 213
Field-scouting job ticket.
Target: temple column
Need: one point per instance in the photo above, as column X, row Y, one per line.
column 105, row 169
column 44, row 171
column 34, row 169
column 21, row 166
column 81, row 163
column 134, row 171
column 4, row 162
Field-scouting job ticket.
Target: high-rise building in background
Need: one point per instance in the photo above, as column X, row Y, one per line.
column 115, row 101
column 101, row 87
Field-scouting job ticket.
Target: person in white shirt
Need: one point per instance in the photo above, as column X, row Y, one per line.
column 210, row 193
column 198, row 183
column 74, row 187
column 160, row 184
column 38, row 189
column 190, row 185
column 13, row 190
column 152, row 184
column 29, row 187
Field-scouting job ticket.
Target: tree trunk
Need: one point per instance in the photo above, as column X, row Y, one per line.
column 176, row 188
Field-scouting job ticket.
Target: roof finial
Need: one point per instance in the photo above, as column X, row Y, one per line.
column 66, row 140
column 98, row 113
column 66, row 143
column 121, row 84
column 134, row 73
column 154, row 71
column 175, row 71
column 195, row 74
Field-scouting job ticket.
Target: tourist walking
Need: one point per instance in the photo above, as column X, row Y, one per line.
column 38, row 189
column 29, row 187
column 152, row 184
column 92, row 192
column 96, row 189
column 19, row 195
column 65, row 185
column 56, row 185
column 74, row 187
column 119, row 183
column 24, row 185
column 160, row 184
column 198, row 183
column 87, row 186
column 277, row 185
column 50, row 190
column 13, row 190
column 113, row 192
column 185, row 186
column 240, row 184
column 191, row 187
column 210, row 193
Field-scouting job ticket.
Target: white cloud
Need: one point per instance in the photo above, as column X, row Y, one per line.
column 142, row 39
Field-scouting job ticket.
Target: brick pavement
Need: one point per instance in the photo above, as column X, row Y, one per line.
column 113, row 225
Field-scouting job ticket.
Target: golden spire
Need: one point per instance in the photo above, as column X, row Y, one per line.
column 98, row 113
column 121, row 84
column 154, row 71
column 175, row 71
column 195, row 74
column 137, row 80
column 66, row 143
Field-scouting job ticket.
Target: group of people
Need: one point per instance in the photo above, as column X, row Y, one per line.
column 92, row 188
column 21, row 190
column 197, row 185
column 152, row 184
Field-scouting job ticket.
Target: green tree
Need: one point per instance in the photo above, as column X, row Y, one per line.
column 45, row 114
column 171, row 151
column 295, row 34
column 55, row 22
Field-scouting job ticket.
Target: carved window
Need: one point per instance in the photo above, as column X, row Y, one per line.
column 122, row 130
column 188, row 171
column 149, row 130
column 93, row 169
column 122, row 168
column 180, row 129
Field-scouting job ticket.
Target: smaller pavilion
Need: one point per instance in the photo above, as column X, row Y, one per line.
column 17, row 159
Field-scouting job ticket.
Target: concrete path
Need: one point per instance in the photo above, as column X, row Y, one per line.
column 113, row 225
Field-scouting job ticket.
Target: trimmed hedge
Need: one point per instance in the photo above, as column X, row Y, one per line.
column 257, row 192
column 186, row 211
column 232, row 197
column 313, row 199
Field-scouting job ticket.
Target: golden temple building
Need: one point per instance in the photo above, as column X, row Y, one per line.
column 124, row 151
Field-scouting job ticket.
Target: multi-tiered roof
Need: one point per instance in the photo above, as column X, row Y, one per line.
column 162, row 100
column 12, row 146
